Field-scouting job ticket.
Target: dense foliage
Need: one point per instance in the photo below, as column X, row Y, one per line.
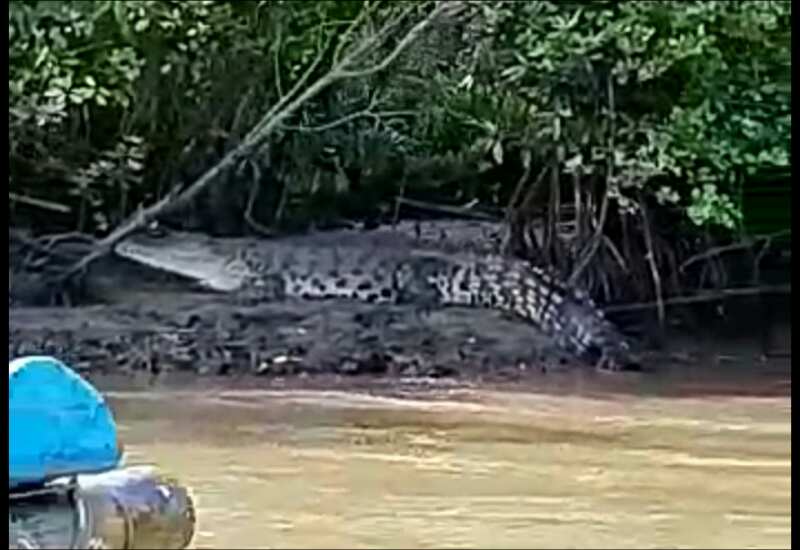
column 684, row 97
column 521, row 107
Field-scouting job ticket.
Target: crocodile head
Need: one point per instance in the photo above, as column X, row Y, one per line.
column 194, row 258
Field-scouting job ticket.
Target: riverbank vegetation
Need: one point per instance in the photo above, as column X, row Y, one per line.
column 625, row 144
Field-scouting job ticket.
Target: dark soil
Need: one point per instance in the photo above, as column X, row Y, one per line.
column 204, row 334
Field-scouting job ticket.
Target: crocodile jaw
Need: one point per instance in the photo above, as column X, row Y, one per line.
column 212, row 271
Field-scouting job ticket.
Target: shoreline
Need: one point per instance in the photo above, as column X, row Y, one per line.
column 200, row 343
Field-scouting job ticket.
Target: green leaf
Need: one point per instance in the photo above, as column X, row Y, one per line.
column 141, row 25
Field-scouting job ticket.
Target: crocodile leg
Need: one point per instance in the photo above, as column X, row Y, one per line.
column 415, row 285
column 260, row 289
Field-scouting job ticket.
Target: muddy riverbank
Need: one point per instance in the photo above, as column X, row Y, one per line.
column 190, row 339
column 204, row 334
column 138, row 322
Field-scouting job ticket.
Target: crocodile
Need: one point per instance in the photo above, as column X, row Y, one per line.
column 383, row 268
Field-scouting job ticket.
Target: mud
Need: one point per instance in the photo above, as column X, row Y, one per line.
column 204, row 334
column 181, row 338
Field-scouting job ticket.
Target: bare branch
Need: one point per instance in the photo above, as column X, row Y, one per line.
column 39, row 203
column 718, row 250
column 446, row 209
column 276, row 57
column 412, row 35
column 367, row 111
column 707, row 296
column 237, row 117
column 282, row 102
column 372, row 42
column 284, row 108
column 364, row 113
column 353, row 25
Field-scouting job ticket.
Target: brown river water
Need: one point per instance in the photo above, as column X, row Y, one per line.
column 467, row 465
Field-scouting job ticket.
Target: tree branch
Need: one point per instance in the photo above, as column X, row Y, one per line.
column 719, row 250
column 353, row 25
column 39, row 203
column 706, row 296
column 371, row 43
column 285, row 107
column 412, row 35
column 363, row 113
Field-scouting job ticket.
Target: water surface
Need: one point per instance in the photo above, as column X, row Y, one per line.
column 466, row 467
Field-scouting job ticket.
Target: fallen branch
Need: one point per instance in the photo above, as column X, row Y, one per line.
column 285, row 107
column 704, row 297
column 43, row 250
column 446, row 209
column 39, row 203
column 719, row 250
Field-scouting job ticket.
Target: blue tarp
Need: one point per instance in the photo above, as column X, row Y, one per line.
column 58, row 424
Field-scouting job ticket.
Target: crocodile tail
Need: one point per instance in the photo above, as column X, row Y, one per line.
column 531, row 293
